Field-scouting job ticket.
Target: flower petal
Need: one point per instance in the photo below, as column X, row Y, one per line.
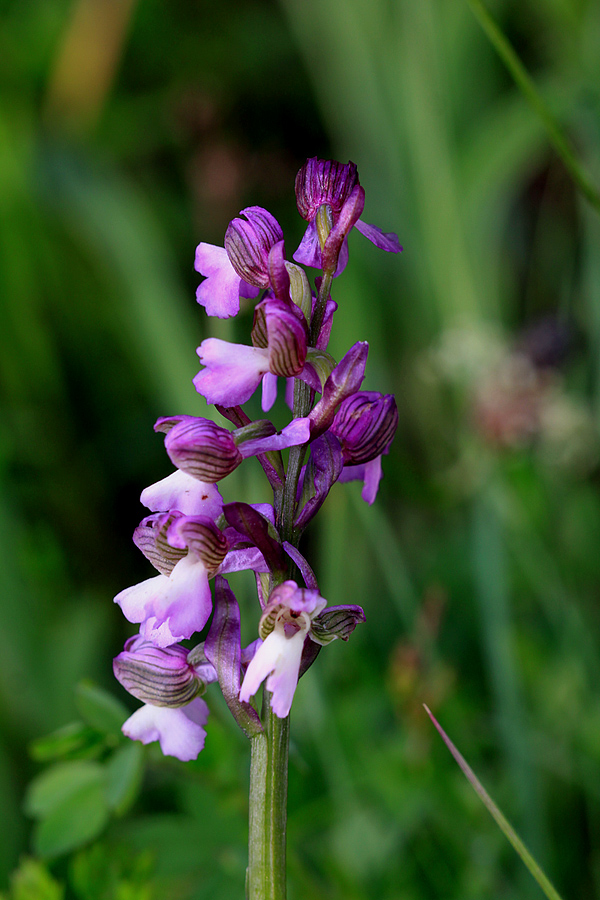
column 369, row 473
column 232, row 373
column 384, row 240
column 309, row 250
column 269, row 391
column 185, row 493
column 220, row 293
column 170, row 608
column 180, row 731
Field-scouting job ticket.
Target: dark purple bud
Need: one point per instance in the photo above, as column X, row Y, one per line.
column 345, row 379
column 199, row 447
column 160, row 676
column 151, row 538
column 336, row 622
column 365, row 425
column 201, row 537
column 248, row 243
column 322, row 471
column 322, row 181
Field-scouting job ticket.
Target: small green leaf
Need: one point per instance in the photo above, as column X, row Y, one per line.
column 124, row 772
column 32, row 881
column 71, row 741
column 100, row 709
column 55, row 785
column 77, row 819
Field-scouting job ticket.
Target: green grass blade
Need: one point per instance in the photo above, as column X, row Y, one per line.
column 529, row 90
column 503, row 823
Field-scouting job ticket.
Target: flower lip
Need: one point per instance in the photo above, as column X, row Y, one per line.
column 322, row 181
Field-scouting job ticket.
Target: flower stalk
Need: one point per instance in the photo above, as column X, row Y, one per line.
column 266, row 874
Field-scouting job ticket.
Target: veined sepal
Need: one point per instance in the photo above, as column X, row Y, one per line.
column 202, row 538
column 161, row 676
column 151, row 538
column 336, row 622
column 199, row 447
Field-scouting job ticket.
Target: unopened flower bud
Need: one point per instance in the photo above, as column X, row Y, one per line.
column 248, row 242
column 365, row 424
column 199, row 447
column 321, row 181
column 345, row 379
column 160, row 676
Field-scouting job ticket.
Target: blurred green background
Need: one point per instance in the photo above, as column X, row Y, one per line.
column 130, row 131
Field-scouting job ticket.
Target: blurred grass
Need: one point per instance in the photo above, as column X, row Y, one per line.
column 478, row 568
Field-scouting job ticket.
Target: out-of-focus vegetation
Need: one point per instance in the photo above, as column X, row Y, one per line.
column 128, row 133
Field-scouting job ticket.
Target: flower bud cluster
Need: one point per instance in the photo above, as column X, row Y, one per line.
column 337, row 432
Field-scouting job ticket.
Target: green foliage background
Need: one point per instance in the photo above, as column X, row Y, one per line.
column 128, row 133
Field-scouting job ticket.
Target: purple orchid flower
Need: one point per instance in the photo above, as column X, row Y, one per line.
column 233, row 371
column 285, row 624
column 241, row 268
column 325, row 182
column 209, row 452
column 174, row 605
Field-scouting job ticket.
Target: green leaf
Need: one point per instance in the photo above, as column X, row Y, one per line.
column 124, row 772
column 55, row 785
column 32, row 881
column 73, row 740
column 100, row 709
column 77, row 819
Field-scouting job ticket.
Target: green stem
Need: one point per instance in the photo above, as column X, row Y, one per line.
column 266, row 875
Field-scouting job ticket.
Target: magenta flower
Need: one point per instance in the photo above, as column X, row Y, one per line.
column 328, row 183
column 233, row 371
column 209, row 452
column 285, row 624
column 162, row 676
column 365, row 424
column 241, row 268
column 174, row 605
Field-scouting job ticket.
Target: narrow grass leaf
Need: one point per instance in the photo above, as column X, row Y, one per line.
column 503, row 823
column 538, row 104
